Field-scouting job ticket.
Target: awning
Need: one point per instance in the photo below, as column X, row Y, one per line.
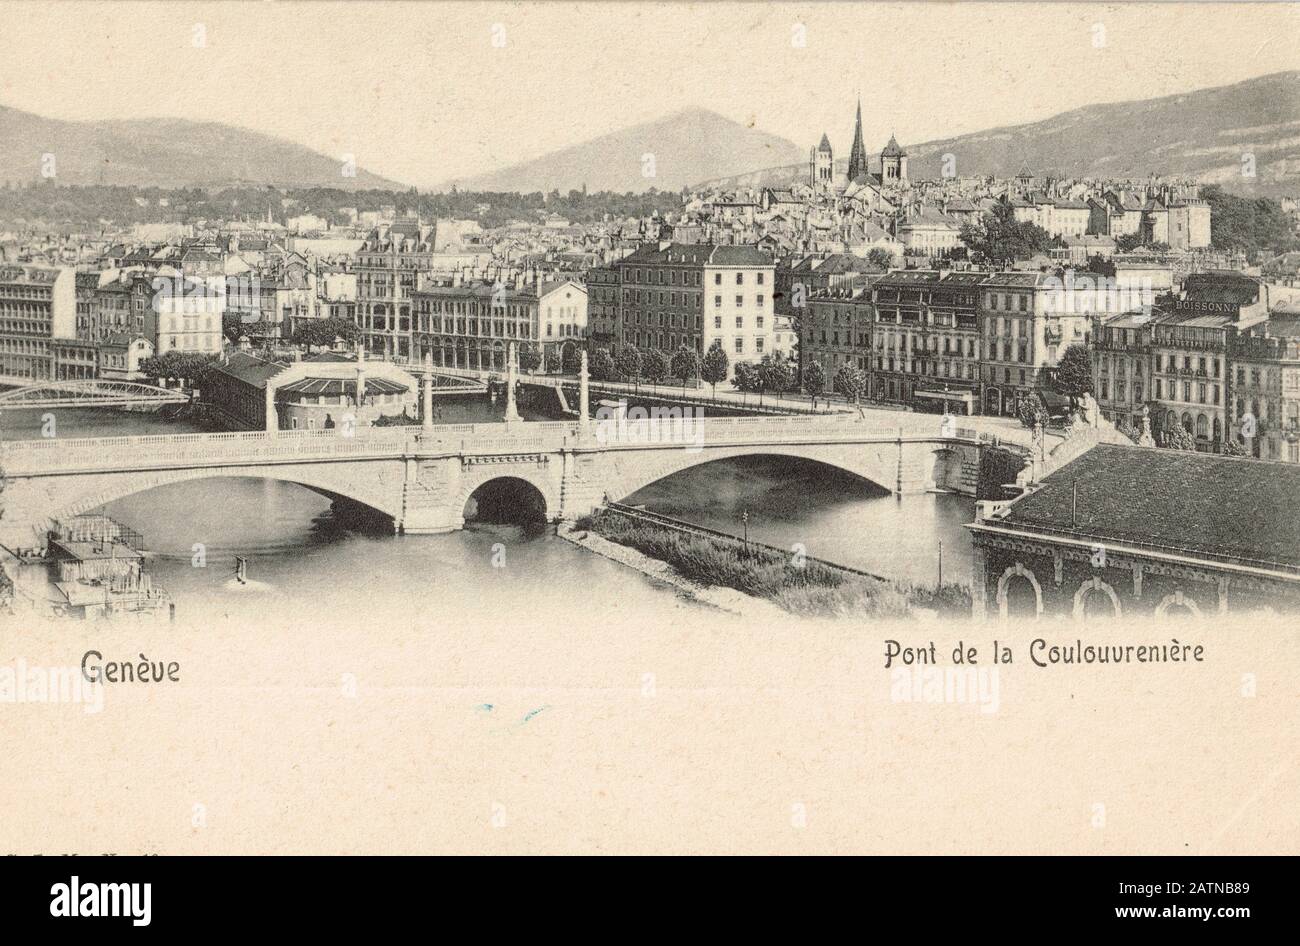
column 965, row 396
column 334, row 387
column 1054, row 400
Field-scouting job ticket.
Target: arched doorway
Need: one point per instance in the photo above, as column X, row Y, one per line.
column 1021, row 598
column 506, row 500
column 1096, row 599
column 993, row 402
column 1177, row 605
column 1019, row 593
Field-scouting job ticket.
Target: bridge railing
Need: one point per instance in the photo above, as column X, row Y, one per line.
column 100, row 453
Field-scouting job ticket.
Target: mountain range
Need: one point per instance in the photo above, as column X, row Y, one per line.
column 163, row 152
column 1208, row 135
column 667, row 154
column 1204, row 135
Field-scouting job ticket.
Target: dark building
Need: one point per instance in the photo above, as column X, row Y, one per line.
column 1141, row 532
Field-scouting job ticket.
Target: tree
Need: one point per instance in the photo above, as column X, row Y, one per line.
column 1177, row 438
column 655, row 366
column 530, row 358
column 745, row 377
column 628, row 363
column 1074, row 374
column 850, row 381
column 1002, row 238
column 232, row 326
column 881, row 257
column 321, row 333
column 1232, row 447
column 602, row 365
column 177, row 366
column 715, row 366
column 775, row 374
column 1250, row 224
column 814, row 379
column 685, row 364
column 1031, row 411
column 570, row 358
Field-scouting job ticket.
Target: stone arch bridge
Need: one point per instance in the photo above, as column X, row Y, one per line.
column 422, row 477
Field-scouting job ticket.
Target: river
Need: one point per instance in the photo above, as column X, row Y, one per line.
column 304, row 557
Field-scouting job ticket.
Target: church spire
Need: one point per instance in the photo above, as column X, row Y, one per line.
column 858, row 156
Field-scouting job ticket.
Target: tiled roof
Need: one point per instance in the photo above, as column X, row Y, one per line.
column 250, row 370
column 1212, row 505
column 892, row 150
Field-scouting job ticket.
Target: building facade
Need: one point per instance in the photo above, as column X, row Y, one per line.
column 389, row 266
column 38, row 310
column 473, row 325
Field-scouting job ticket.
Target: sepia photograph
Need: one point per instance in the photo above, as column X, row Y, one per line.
column 554, row 428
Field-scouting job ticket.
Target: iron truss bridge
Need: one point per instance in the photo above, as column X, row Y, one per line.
column 87, row 393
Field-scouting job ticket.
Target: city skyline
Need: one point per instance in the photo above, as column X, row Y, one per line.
column 331, row 99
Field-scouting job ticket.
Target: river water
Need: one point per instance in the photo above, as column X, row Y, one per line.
column 304, row 556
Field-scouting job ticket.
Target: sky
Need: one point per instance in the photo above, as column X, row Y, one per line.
column 427, row 92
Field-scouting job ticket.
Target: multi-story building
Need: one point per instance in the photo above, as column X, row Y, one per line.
column 739, row 315
column 1266, row 386
column 1189, row 357
column 388, row 268
column 111, row 311
column 697, row 294
column 1121, row 366
column 602, row 305
column 1175, row 361
column 836, row 331
column 75, row 359
column 929, row 234
column 561, row 318
column 472, row 325
column 87, row 284
column 926, row 339
column 185, row 314
column 119, row 356
column 38, row 309
column 1026, row 325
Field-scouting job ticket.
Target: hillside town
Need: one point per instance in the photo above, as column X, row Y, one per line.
column 953, row 294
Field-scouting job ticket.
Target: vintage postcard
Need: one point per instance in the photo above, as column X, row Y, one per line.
column 649, row 428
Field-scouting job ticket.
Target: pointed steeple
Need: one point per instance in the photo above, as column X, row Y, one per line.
column 858, row 154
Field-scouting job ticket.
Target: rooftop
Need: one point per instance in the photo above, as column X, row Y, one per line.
column 1247, row 510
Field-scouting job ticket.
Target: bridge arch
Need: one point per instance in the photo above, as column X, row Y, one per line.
column 632, row 471
column 542, row 490
column 94, row 392
column 506, row 499
column 97, row 490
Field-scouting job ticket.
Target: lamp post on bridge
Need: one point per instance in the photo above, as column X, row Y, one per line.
column 426, row 407
column 584, row 396
column 512, row 370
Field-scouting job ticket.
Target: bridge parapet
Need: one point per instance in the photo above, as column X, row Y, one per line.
column 58, row 455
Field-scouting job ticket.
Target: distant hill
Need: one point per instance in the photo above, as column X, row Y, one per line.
column 165, row 152
column 688, row 146
column 1200, row 135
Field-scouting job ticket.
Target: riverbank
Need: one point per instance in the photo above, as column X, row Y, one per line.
column 723, row 599
column 714, row 569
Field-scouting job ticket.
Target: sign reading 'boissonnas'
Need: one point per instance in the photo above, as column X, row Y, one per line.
column 77, row 899
column 1215, row 308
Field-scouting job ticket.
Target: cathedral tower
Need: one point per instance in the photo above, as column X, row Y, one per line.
column 821, row 165
column 858, row 156
column 893, row 163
